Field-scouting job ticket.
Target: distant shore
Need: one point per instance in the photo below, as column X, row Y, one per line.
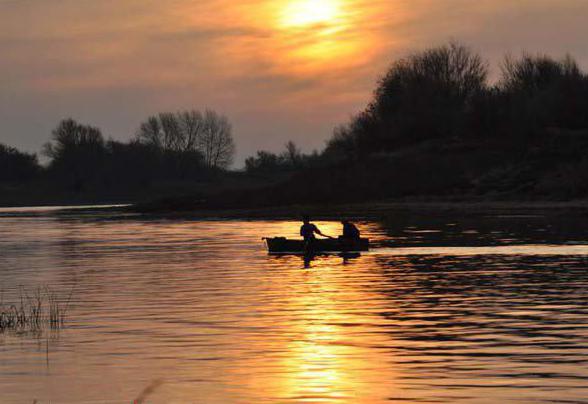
column 371, row 210
column 366, row 210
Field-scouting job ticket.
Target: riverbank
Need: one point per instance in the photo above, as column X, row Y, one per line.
column 374, row 210
column 366, row 210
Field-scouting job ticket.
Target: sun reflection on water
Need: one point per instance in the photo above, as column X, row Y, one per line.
column 325, row 362
column 201, row 305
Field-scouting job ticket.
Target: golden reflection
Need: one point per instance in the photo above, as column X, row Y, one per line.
column 327, row 359
column 319, row 369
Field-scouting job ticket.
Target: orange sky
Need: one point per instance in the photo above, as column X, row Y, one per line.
column 282, row 69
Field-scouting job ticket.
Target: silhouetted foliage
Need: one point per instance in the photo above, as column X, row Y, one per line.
column 292, row 155
column 436, row 126
column 132, row 164
column 264, row 161
column 443, row 93
column 77, row 154
column 425, row 96
column 290, row 159
column 16, row 166
column 171, row 152
column 542, row 92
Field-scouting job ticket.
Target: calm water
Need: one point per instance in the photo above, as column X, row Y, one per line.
column 447, row 308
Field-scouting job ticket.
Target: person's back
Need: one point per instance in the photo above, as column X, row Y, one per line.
column 307, row 231
column 350, row 231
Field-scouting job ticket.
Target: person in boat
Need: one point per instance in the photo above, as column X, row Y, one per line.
column 308, row 230
column 350, row 231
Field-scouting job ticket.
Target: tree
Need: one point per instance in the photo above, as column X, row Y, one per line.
column 428, row 94
column 150, row 133
column 292, row 155
column 77, row 153
column 191, row 124
column 132, row 165
column 216, row 142
column 70, row 136
column 535, row 73
column 188, row 135
column 541, row 92
column 290, row 160
column 263, row 162
column 16, row 166
column 162, row 132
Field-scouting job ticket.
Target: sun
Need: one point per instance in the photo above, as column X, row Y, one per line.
column 303, row 13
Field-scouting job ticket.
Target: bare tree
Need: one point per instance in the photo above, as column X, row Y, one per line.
column 191, row 134
column 292, row 155
column 150, row 133
column 191, row 125
column 172, row 134
column 216, row 142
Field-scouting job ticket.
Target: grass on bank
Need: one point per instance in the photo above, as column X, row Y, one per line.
column 34, row 310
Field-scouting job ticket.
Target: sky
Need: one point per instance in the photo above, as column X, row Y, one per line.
column 280, row 70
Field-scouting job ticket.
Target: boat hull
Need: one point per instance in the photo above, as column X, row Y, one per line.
column 284, row 245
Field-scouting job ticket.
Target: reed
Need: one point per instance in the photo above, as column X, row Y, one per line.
column 34, row 310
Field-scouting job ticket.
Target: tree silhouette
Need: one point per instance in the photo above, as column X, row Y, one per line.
column 189, row 135
column 16, row 166
column 77, row 152
column 216, row 142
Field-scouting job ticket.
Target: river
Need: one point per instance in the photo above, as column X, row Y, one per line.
column 444, row 308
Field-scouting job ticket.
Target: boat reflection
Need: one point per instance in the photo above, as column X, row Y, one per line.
column 307, row 259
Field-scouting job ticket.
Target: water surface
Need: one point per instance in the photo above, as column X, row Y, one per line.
column 443, row 309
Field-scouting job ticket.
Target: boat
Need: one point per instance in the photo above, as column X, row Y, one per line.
column 280, row 245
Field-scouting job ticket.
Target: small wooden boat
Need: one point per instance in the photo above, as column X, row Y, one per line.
column 284, row 245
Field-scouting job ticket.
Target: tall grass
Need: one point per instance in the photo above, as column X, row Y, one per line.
column 33, row 310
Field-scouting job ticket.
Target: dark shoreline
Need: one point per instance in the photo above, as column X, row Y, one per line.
column 367, row 210
column 361, row 210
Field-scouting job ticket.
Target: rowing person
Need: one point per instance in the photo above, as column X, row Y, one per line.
column 308, row 230
column 350, row 231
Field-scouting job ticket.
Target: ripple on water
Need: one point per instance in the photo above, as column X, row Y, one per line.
column 202, row 307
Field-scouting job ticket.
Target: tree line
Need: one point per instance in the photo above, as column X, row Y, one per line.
column 291, row 159
column 445, row 93
column 438, row 126
column 168, row 146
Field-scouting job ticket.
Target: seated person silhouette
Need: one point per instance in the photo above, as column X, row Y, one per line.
column 350, row 231
column 308, row 230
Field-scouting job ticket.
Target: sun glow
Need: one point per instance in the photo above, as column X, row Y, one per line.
column 303, row 13
column 303, row 38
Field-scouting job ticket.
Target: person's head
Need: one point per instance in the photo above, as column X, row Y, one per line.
column 306, row 219
column 344, row 222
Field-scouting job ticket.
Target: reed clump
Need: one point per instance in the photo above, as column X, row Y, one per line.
column 33, row 310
